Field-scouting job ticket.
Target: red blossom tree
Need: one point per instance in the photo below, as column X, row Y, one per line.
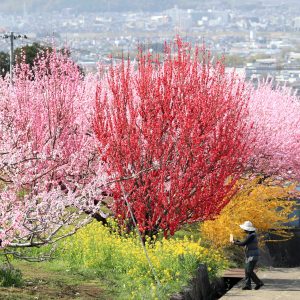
column 176, row 131
column 50, row 171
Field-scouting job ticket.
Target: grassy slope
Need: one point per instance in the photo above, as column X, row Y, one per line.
column 54, row 281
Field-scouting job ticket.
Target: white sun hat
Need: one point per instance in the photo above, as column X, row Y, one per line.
column 247, row 225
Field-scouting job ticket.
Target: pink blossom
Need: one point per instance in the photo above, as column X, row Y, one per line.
column 50, row 167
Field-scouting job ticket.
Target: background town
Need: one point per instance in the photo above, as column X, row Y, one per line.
column 258, row 38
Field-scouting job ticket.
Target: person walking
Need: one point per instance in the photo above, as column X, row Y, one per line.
column 252, row 255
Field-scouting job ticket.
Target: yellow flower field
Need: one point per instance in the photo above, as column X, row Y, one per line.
column 121, row 259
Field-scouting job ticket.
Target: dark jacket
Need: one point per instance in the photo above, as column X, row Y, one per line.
column 250, row 243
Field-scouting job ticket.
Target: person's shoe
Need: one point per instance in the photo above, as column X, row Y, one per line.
column 246, row 287
column 258, row 286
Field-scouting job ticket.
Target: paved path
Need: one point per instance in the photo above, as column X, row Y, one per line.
column 280, row 283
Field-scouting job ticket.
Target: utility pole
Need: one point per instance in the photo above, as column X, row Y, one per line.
column 12, row 37
column 11, row 60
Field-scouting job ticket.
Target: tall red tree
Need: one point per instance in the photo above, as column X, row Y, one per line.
column 176, row 130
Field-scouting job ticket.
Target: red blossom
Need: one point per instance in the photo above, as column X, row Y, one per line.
column 178, row 128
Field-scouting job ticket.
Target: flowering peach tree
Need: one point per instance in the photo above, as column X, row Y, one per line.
column 275, row 116
column 50, row 171
column 176, row 130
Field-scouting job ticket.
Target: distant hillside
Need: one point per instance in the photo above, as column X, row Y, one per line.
column 18, row 6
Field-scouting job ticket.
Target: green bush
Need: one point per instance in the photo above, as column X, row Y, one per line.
column 10, row 276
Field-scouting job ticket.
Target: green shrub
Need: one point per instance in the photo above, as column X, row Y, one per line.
column 10, row 276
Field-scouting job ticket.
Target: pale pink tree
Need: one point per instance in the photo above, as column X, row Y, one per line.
column 50, row 168
column 274, row 114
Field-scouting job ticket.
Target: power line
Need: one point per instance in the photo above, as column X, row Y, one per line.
column 12, row 37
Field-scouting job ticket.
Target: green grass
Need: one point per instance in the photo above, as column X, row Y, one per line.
column 55, row 280
column 189, row 230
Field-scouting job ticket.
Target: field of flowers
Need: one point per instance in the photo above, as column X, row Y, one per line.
column 119, row 259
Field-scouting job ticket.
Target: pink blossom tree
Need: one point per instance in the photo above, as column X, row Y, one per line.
column 50, row 170
column 275, row 116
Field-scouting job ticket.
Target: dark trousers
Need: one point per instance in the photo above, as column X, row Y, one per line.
column 249, row 273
